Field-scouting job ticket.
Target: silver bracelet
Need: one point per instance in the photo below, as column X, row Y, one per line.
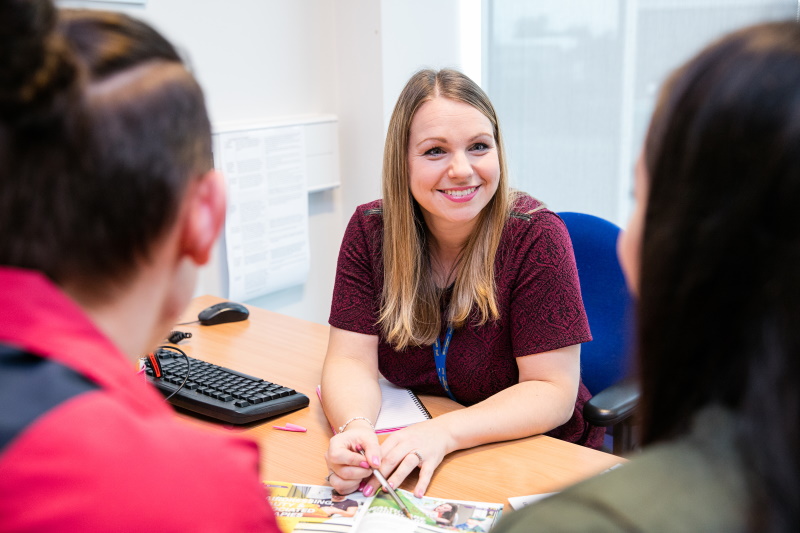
column 344, row 426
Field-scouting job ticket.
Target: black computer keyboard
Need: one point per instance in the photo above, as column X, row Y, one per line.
column 220, row 392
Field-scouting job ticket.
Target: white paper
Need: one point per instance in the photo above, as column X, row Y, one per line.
column 518, row 502
column 266, row 230
column 399, row 408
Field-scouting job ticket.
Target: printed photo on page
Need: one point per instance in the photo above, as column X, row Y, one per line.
column 319, row 508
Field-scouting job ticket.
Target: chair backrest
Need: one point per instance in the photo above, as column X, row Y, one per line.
column 606, row 359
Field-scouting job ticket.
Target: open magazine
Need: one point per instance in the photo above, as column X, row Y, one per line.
column 320, row 509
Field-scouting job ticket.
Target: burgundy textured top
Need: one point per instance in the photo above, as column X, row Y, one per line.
column 538, row 294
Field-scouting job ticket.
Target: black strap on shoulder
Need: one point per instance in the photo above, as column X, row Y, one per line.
column 528, row 215
column 31, row 386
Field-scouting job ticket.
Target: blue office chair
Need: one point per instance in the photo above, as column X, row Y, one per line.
column 605, row 361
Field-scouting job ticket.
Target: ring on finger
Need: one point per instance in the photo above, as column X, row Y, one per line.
column 328, row 477
column 419, row 455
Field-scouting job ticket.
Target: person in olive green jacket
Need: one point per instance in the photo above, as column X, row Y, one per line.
column 712, row 252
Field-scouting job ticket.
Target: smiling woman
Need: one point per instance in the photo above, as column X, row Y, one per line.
column 454, row 171
column 451, row 285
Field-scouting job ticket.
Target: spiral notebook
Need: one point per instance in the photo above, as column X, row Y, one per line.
column 400, row 407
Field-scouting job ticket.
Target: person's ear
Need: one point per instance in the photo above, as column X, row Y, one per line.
column 204, row 216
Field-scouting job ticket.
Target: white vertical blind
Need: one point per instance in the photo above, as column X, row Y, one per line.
column 574, row 83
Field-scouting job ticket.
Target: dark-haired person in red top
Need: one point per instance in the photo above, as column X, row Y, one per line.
column 108, row 205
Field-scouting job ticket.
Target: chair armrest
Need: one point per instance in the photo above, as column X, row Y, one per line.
column 612, row 405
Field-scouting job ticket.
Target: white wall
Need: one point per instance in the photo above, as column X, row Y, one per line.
column 260, row 60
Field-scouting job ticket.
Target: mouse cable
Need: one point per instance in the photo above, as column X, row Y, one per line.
column 188, row 368
column 188, row 323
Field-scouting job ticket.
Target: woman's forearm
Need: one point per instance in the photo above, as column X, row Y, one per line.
column 349, row 379
column 527, row 408
column 349, row 390
column 543, row 399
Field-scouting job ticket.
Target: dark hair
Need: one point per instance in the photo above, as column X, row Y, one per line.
column 84, row 201
column 720, row 293
column 449, row 515
column 41, row 126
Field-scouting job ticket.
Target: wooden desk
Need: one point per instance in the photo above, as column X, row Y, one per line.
column 290, row 351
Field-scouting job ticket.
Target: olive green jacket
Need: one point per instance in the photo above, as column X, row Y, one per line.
column 695, row 483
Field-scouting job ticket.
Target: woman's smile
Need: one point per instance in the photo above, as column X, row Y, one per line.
column 462, row 194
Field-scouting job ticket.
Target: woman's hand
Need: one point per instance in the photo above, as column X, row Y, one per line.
column 422, row 446
column 347, row 466
column 351, row 358
column 548, row 380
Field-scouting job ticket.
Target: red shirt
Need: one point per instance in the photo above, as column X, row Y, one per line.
column 108, row 454
column 538, row 294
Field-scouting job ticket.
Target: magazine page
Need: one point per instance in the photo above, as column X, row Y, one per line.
column 314, row 507
column 429, row 515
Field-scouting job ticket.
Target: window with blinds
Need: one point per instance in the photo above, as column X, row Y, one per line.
column 575, row 81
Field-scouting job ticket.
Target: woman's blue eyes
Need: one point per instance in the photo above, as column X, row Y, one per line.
column 477, row 147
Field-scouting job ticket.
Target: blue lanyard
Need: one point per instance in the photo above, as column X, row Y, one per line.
column 440, row 357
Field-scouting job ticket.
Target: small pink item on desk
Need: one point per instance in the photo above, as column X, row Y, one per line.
column 291, row 427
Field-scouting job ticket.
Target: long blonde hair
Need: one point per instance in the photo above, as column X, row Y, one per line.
column 411, row 302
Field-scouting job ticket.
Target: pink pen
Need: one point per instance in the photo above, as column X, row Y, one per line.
column 291, row 427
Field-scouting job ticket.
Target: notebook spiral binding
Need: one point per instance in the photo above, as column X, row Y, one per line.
column 417, row 401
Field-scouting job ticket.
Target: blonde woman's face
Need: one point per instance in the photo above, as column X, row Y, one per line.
column 453, row 164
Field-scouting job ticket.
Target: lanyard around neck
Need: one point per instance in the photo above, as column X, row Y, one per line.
column 440, row 357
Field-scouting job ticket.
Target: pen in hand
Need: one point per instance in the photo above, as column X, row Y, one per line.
column 388, row 488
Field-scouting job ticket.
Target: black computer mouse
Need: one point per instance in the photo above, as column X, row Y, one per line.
column 223, row 313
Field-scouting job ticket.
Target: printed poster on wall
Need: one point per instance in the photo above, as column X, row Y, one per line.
column 266, row 229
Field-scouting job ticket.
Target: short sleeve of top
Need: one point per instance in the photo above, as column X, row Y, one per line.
column 359, row 272
column 537, row 289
